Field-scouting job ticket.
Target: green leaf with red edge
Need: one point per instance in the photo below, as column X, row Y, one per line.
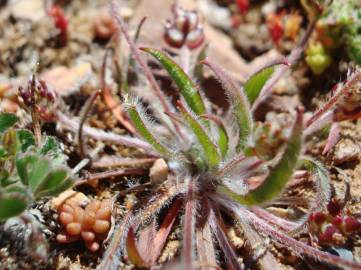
column 186, row 86
column 133, row 252
column 278, row 177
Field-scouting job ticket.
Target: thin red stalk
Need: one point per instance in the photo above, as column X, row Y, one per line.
column 188, row 229
column 102, row 135
column 231, row 164
column 216, row 119
column 111, row 259
column 238, row 161
column 230, row 256
column 83, row 117
column 146, row 70
column 259, row 247
column 114, row 106
column 157, row 204
column 108, row 174
column 164, row 230
column 279, row 222
column 332, row 101
column 292, row 58
column 205, row 247
column 282, row 238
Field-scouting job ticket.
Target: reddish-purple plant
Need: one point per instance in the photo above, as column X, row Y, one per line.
column 216, row 167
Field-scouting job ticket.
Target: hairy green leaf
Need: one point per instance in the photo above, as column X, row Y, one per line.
column 187, row 87
column 55, row 182
column 240, row 105
column 256, row 81
column 254, row 84
column 25, row 139
column 13, row 201
column 32, row 169
column 278, row 177
column 210, row 149
column 50, row 145
column 140, row 124
column 24, row 164
column 7, row 120
column 223, row 138
column 323, row 181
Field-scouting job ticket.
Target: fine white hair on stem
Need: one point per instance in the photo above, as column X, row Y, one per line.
column 104, row 136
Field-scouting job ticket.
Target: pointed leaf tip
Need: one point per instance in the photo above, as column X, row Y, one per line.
column 187, row 87
column 258, row 79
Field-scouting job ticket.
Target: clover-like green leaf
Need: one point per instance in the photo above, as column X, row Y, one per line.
column 7, row 120
column 25, row 139
column 55, row 182
column 186, row 86
column 256, row 81
column 32, row 169
column 51, row 148
column 13, row 201
column 278, row 177
column 50, row 145
column 3, row 153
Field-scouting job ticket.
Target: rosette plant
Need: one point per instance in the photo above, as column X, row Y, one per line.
column 216, row 173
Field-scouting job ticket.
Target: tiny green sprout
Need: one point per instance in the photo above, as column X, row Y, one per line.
column 27, row 173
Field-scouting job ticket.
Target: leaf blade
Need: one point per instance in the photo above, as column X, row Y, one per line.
column 210, row 149
column 7, row 120
column 278, row 177
column 187, row 87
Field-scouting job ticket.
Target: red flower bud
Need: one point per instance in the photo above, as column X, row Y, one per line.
column 318, row 218
column 352, row 224
column 243, row 6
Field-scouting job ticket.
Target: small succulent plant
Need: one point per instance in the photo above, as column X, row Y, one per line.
column 213, row 158
column 317, row 58
column 334, row 226
column 28, row 173
column 184, row 29
column 91, row 223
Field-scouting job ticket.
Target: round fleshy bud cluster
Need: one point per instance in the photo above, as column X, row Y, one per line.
column 184, row 29
column 90, row 224
column 332, row 228
column 37, row 97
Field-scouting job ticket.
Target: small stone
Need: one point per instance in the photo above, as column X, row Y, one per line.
column 346, row 151
column 159, row 171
